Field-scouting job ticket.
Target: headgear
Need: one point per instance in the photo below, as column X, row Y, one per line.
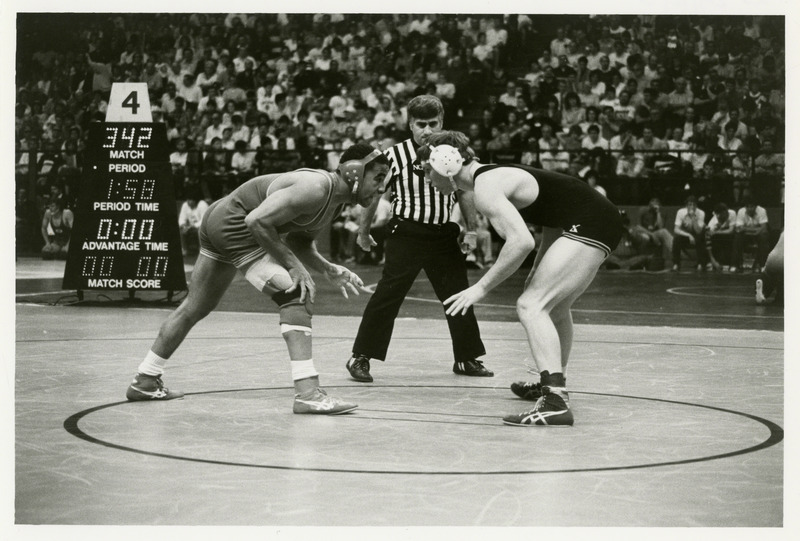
column 352, row 171
column 446, row 160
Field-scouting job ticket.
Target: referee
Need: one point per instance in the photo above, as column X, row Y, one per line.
column 420, row 236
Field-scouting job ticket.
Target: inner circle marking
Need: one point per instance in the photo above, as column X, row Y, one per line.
column 775, row 437
column 683, row 291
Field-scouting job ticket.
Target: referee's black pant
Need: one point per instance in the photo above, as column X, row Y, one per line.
column 411, row 247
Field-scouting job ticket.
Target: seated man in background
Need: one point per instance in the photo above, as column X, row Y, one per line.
column 751, row 227
column 189, row 218
column 56, row 229
column 652, row 232
column 690, row 224
column 719, row 237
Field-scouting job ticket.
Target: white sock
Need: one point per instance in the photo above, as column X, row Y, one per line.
column 303, row 369
column 152, row 365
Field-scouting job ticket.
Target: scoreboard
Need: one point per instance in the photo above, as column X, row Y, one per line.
column 125, row 234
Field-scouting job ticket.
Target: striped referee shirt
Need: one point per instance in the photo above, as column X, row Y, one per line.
column 412, row 199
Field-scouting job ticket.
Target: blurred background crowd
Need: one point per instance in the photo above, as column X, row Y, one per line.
column 643, row 107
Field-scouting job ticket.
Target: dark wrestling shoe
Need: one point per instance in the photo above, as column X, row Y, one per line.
column 358, row 366
column 472, row 368
column 526, row 390
column 552, row 409
column 145, row 387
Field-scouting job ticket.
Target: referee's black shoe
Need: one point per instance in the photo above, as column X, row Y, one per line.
column 358, row 366
column 472, row 368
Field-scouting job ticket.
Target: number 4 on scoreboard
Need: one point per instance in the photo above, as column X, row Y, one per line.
column 129, row 102
column 132, row 102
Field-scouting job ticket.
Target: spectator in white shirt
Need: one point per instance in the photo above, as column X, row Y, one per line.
column 509, row 97
column 242, row 162
column 208, row 77
column 189, row 219
column 535, row 74
column 619, row 56
column 678, row 147
column 751, row 227
column 558, row 45
column 240, row 131
column 496, row 35
column 227, row 138
column 212, row 97
column 189, row 90
column 587, row 97
column 215, row 129
column 593, row 55
column 445, row 89
column 624, row 110
column 689, row 231
column 593, row 139
column 597, row 86
column 365, row 129
column 551, row 155
column 323, row 63
column 241, row 58
column 482, row 51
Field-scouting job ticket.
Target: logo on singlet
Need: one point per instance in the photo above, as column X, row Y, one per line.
column 574, row 228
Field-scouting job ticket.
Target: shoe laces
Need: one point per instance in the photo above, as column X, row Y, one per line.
column 361, row 363
column 537, row 406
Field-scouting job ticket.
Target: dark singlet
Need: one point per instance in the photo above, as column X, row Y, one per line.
column 570, row 204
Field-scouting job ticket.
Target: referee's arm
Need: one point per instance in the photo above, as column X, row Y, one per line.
column 364, row 239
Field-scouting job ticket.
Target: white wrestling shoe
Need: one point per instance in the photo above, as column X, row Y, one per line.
column 321, row 403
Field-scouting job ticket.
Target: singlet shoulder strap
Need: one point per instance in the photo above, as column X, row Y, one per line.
column 329, row 176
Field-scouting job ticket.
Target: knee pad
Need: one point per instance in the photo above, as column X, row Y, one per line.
column 295, row 317
column 273, row 280
column 268, row 277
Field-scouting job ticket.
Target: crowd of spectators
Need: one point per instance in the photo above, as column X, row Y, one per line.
column 651, row 106
column 601, row 97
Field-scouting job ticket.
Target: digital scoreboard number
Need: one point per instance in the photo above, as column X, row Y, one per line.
column 125, row 234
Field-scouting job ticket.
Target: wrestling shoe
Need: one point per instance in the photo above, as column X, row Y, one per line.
column 472, row 368
column 526, row 390
column 552, row 409
column 145, row 387
column 760, row 298
column 358, row 366
column 319, row 402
